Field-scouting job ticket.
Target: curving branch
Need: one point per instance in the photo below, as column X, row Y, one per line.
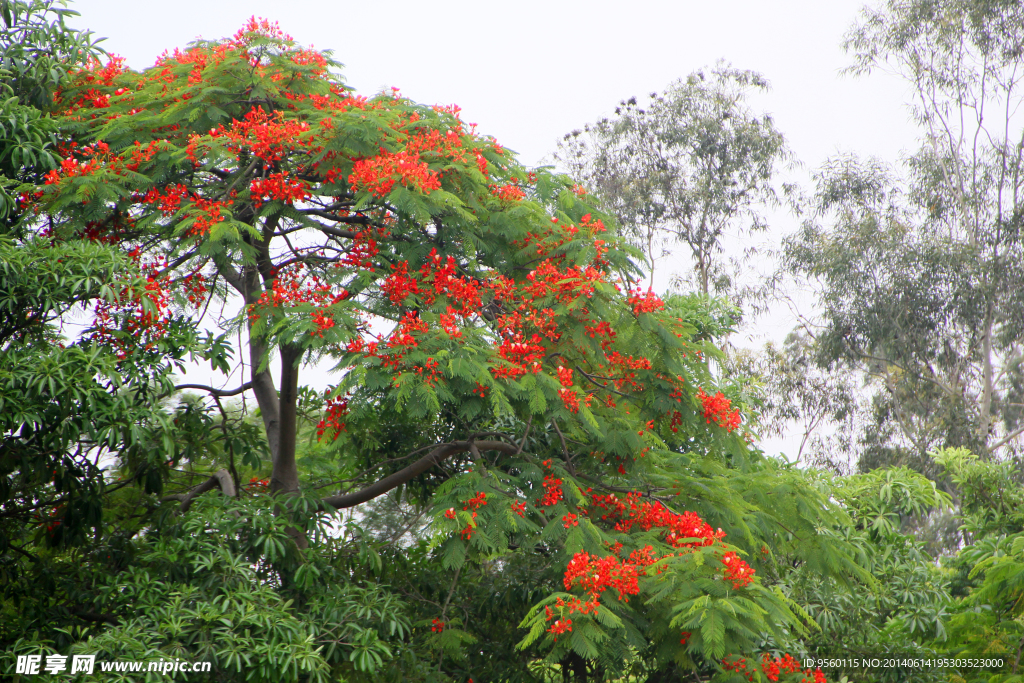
column 434, row 457
column 219, row 479
column 219, row 393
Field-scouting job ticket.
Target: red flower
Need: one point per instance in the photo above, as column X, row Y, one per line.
column 552, row 491
column 337, row 407
column 378, row 175
column 644, row 302
column 719, row 409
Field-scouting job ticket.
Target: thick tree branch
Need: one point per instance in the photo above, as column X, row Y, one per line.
column 1007, row 439
column 221, row 478
column 400, row 477
column 221, row 393
column 361, row 220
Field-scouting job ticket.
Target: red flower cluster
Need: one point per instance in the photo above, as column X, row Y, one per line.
column 311, row 58
column 623, row 369
column 565, row 285
column 603, row 331
column 400, row 285
column 462, row 292
column 519, row 508
column 773, row 668
column 323, row 321
column 570, row 520
column 644, row 302
column 378, row 175
column 552, row 491
column 596, row 575
column 473, row 504
column 270, row 137
column 363, row 249
column 258, row 28
column 686, row 530
column 428, row 372
column 683, row 531
column 195, row 288
column 736, row 570
column 447, row 145
column 719, row 409
column 437, row 625
column 560, row 627
column 570, row 399
column 135, row 318
column 508, row 193
column 337, row 408
column 476, row 502
column 208, row 213
column 169, row 201
column 69, row 168
column 409, row 324
column 280, row 187
column 291, row 287
column 519, row 353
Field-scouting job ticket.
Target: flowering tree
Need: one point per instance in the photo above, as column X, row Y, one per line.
column 544, row 403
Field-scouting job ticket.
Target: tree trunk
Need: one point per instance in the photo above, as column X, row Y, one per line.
column 266, row 397
column 285, row 475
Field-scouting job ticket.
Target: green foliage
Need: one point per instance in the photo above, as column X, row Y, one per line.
column 207, row 588
column 37, row 49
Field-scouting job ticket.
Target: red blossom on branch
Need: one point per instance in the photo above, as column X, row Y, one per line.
column 718, row 409
column 644, row 302
column 378, row 175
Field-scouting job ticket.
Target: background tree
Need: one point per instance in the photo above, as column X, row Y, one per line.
column 796, row 394
column 918, row 269
column 693, row 169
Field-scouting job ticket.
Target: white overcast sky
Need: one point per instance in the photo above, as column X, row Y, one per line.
column 530, row 71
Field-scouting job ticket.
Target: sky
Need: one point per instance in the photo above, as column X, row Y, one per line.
column 528, row 72
column 531, row 71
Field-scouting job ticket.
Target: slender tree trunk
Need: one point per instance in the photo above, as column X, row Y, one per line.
column 985, row 421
